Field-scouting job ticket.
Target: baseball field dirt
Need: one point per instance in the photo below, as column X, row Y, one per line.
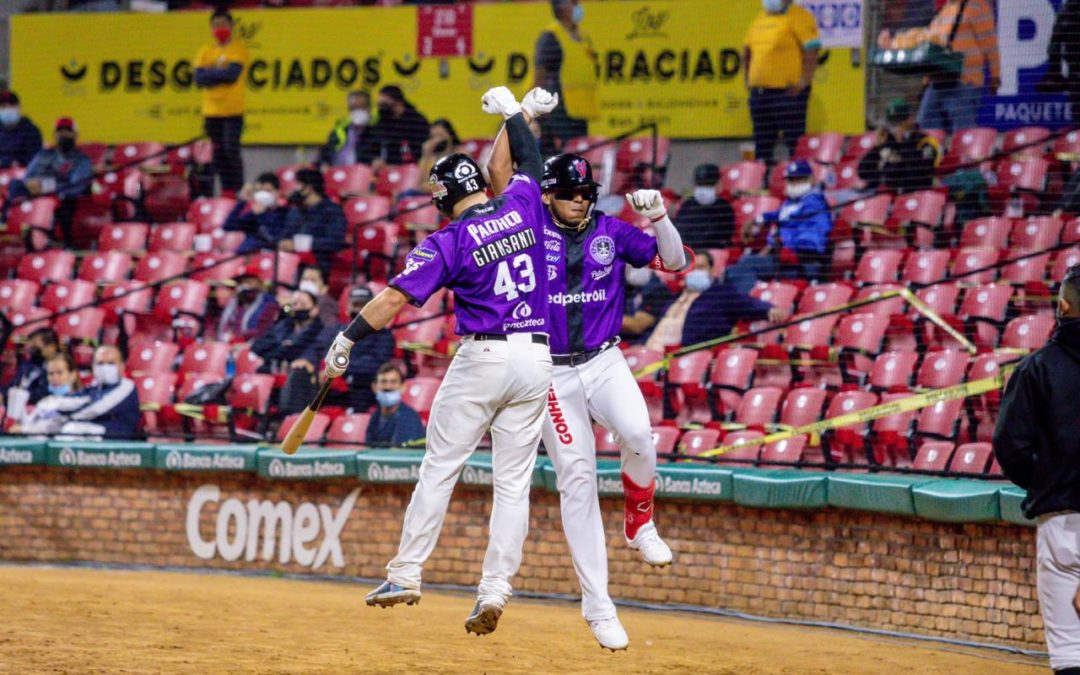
column 78, row 620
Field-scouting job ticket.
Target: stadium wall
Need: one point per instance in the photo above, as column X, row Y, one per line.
column 962, row 581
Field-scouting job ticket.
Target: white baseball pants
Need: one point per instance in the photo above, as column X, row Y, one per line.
column 496, row 385
column 604, row 389
column 1058, row 579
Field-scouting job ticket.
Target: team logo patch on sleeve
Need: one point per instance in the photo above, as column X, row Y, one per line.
column 423, row 253
column 602, row 250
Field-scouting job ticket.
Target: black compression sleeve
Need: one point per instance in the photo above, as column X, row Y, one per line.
column 358, row 329
column 523, row 148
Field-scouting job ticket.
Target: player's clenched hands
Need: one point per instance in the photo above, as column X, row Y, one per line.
column 539, row 102
column 500, row 101
column 648, row 203
column 337, row 359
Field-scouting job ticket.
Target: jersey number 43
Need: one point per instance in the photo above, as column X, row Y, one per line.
column 505, row 284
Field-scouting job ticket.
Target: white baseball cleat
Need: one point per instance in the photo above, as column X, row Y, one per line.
column 650, row 546
column 609, row 633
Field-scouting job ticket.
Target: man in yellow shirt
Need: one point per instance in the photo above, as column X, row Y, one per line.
column 780, row 53
column 566, row 65
column 219, row 70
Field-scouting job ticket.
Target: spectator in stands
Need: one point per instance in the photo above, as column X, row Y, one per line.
column 219, row 69
column 955, row 105
column 291, row 335
column 905, row 158
column 399, row 134
column 1037, row 445
column 566, row 64
column 647, row 298
column 393, row 423
column 1063, row 55
column 371, row 352
column 350, row 134
column 797, row 245
column 707, row 308
column 63, row 379
column 250, row 312
column 442, row 141
column 20, row 139
column 109, row 408
column 93, row 5
column 312, row 281
column 30, row 375
column 62, row 171
column 706, row 220
column 259, row 215
column 780, row 55
column 312, row 213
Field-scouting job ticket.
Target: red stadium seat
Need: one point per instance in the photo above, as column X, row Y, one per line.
column 287, row 176
column 85, row 324
column 893, row 370
column 185, row 299
column 247, row 362
column 216, row 267
column 933, row 456
column 731, row 375
column 605, row 440
column 940, row 420
column 130, row 154
column 209, row 213
column 97, row 153
column 155, row 388
column 879, row 266
column 419, row 393
column 983, row 311
column 847, row 445
column 891, row 446
column 638, row 357
column 67, row 294
column 1035, row 233
column 314, row 433
column 688, row 373
column 924, row 209
column 636, row 165
column 992, row 232
column 195, row 381
column 1027, row 174
column 759, row 406
column 172, row 237
column 1030, row 141
column 802, row 406
column 200, row 152
column 741, row 455
column 130, row 237
column 343, row 182
column 162, row 265
column 697, row 441
column 1025, row 270
column 348, row 429
column 105, row 267
column 860, row 337
column 970, row 259
column 288, row 266
column 46, row 266
column 942, row 369
column 784, row 452
column 824, row 148
column 664, row 438
column 417, row 328
column 748, row 208
column 925, row 267
column 887, row 307
column 1062, row 262
column 366, row 210
column 808, row 334
column 31, row 213
column 226, row 242
column 128, row 298
column 777, row 294
column 1028, row 332
column 970, row 145
column 971, row 458
column 417, row 213
column 742, row 178
column 17, row 294
column 822, row 297
column 870, row 211
column 847, row 176
column 940, row 298
column 396, row 179
column 206, row 357
column 149, row 357
column 861, row 144
column 249, row 395
column 28, row 320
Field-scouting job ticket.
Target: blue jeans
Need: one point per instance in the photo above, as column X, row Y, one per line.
column 950, row 107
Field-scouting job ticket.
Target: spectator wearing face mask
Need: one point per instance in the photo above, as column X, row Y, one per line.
column 20, row 139
column 313, row 282
column 350, row 134
column 393, row 424
column 797, row 244
column 706, row 220
column 313, row 214
column 707, row 308
column 46, row 417
column 905, row 158
column 647, row 298
column 259, row 215
column 442, row 141
column 250, row 312
column 30, row 376
column 399, row 134
column 566, row 64
column 219, row 70
column 61, row 171
column 109, row 407
column 291, row 335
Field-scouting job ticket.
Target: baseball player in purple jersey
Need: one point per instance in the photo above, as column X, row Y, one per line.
column 586, row 256
column 491, row 256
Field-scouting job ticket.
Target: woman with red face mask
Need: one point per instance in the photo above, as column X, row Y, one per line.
column 219, row 70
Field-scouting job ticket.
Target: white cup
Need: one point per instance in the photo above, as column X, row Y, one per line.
column 17, row 398
column 302, row 242
column 203, row 243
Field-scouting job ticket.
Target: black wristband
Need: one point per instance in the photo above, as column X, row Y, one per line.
column 358, row 329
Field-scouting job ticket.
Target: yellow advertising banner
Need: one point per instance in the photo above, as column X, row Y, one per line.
column 129, row 77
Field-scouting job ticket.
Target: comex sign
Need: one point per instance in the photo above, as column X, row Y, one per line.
column 293, row 533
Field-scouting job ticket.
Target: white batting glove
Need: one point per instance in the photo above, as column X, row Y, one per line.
column 539, row 102
column 648, row 203
column 500, row 101
column 337, row 358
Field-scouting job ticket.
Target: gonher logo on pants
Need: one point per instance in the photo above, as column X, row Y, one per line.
column 292, row 533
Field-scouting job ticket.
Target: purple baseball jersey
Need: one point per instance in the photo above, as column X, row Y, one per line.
column 492, row 258
column 585, row 280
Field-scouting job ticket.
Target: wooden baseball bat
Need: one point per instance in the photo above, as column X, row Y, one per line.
column 300, row 427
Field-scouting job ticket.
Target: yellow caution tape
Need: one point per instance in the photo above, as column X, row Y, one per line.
column 933, row 316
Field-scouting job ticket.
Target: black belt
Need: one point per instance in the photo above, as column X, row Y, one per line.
column 579, row 358
column 537, row 338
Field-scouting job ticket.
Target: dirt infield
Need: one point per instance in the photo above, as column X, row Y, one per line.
column 85, row 620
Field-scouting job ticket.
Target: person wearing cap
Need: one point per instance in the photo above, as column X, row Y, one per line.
column 219, row 69
column 797, row 243
column 781, row 54
column 369, row 353
column 62, row 171
column 20, row 139
column 297, row 327
column 399, row 134
column 312, row 213
column 706, row 220
column 259, row 215
column 251, row 310
column 905, row 158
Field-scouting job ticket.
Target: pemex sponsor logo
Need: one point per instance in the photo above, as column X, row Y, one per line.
column 293, row 533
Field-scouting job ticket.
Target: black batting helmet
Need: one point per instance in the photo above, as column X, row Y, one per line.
column 453, row 178
column 569, row 172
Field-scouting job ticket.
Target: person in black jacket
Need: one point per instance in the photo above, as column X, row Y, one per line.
column 1037, row 443
column 398, row 137
column 706, row 220
column 905, row 159
column 291, row 335
column 313, row 213
column 20, row 139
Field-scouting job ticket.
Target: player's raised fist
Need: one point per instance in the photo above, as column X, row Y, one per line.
column 539, row 102
column 648, row 203
column 500, row 101
column 337, row 359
